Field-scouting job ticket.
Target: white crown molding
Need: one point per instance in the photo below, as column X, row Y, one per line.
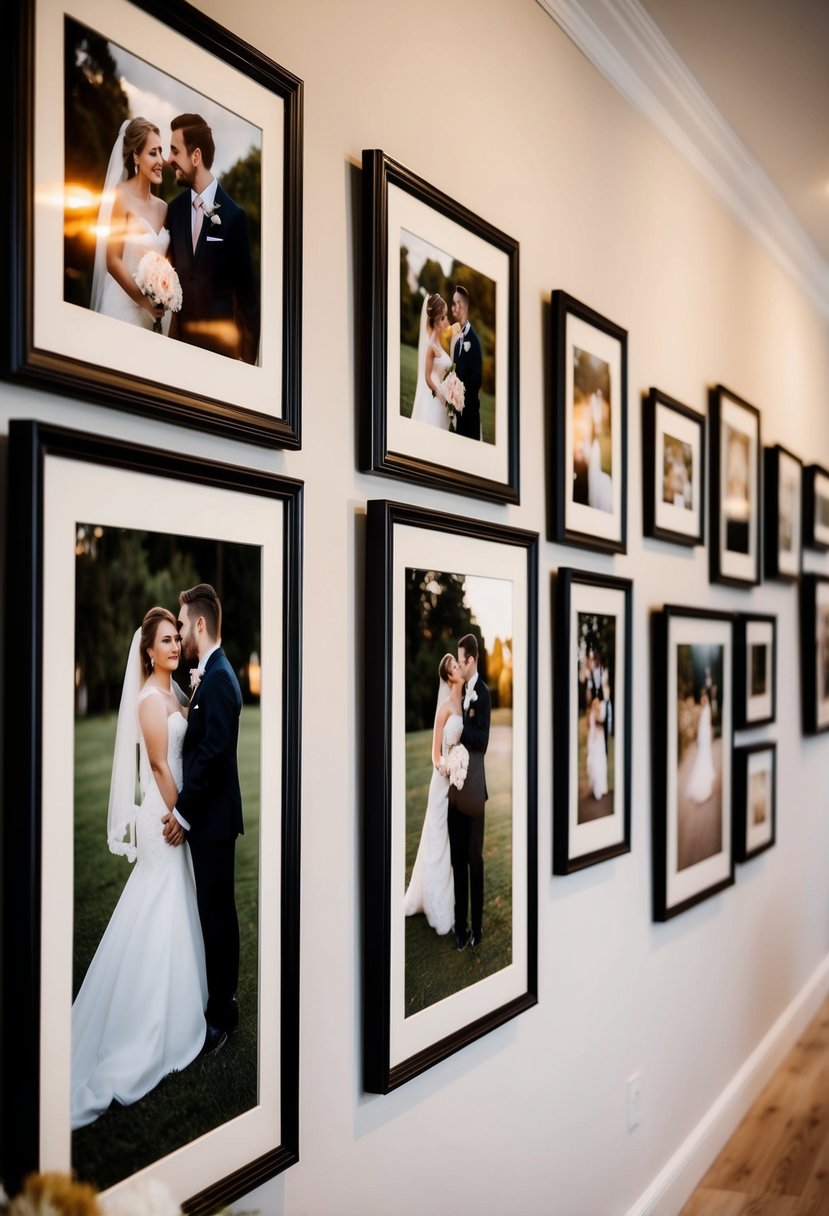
column 628, row 48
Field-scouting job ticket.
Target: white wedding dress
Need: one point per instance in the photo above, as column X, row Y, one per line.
column 701, row 781
column 428, row 407
column 599, row 484
column 139, row 1014
column 596, row 757
column 114, row 300
column 431, row 888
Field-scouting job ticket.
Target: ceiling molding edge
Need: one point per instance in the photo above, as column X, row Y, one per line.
column 623, row 42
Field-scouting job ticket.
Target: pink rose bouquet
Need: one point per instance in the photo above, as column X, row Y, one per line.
column 157, row 280
column 454, row 393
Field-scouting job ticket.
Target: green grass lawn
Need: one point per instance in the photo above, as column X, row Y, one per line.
column 408, row 385
column 434, row 967
column 208, row 1093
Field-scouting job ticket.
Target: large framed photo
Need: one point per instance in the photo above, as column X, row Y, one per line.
column 154, row 1027
column 590, row 428
column 734, row 476
column 755, row 799
column 156, row 165
column 783, row 513
column 816, row 507
column 439, row 357
column 755, row 670
column 450, row 770
column 591, row 816
column 814, row 652
column 673, row 463
column 692, row 718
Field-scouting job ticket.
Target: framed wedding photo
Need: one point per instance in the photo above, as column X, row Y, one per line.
column 755, row 799
column 814, row 652
column 734, row 478
column 692, row 720
column 589, row 432
column 119, row 290
column 816, row 507
column 113, row 679
column 450, row 942
column 783, row 513
column 673, row 462
column 439, row 354
column 755, row 670
column 591, row 815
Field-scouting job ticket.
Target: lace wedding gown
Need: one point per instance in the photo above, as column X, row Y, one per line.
column 139, row 1014
column 428, row 407
column 431, row 888
column 114, row 300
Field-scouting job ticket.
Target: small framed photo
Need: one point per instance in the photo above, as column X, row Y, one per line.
column 755, row 670
column 155, row 1025
column 692, row 710
column 755, row 799
column 816, row 507
column 673, row 459
column 590, row 428
column 591, row 816
column 814, row 652
column 440, row 338
column 783, row 513
column 734, row 476
column 156, row 167
column 450, row 770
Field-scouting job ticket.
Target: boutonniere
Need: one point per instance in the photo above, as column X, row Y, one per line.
column 210, row 212
column 195, row 680
column 467, row 346
column 469, row 699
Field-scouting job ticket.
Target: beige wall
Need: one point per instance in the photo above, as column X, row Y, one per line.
column 512, row 120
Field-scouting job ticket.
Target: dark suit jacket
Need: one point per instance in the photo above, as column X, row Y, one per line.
column 210, row 799
column 220, row 298
column 469, row 367
column 471, row 798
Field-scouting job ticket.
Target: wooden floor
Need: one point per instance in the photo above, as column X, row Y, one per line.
column 777, row 1161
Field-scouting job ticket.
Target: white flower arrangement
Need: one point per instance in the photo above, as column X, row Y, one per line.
column 457, row 765
column 147, row 1197
column 210, row 212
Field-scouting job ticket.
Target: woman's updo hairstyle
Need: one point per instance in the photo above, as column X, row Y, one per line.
column 149, row 627
column 435, row 305
column 135, row 136
column 445, row 667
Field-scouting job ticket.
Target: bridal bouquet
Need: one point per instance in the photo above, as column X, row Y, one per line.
column 157, row 279
column 457, row 763
column 454, row 394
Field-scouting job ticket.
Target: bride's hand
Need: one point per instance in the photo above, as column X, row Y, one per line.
column 156, row 311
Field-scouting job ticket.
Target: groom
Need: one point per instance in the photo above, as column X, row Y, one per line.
column 465, row 817
column 209, row 248
column 209, row 806
column 469, row 364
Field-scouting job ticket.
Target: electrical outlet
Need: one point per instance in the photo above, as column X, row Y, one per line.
column 634, row 1100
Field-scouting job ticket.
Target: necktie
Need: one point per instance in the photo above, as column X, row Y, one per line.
column 198, row 219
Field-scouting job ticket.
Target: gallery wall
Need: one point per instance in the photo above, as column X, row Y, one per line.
column 493, row 105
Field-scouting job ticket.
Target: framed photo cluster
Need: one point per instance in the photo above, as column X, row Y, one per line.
column 101, row 234
column 100, row 556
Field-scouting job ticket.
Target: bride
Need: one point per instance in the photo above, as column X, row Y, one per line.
column 431, row 889
column 139, row 1013
column 596, row 748
column 701, row 781
column 130, row 224
column 433, row 362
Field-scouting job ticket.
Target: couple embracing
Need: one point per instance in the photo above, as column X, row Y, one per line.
column 208, row 297
column 441, row 347
column 161, row 987
column 449, row 868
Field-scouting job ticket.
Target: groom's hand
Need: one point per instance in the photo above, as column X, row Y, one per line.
column 173, row 831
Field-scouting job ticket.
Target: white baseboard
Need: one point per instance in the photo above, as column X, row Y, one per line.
column 681, row 1174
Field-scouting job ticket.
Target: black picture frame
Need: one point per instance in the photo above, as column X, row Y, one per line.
column 782, row 513
column 63, row 346
column 735, row 455
column 753, row 834
column 38, row 454
column 755, row 669
column 691, row 657
column 402, row 542
column 814, row 652
column 681, row 521
column 816, row 507
column 600, row 524
column 588, row 827
column 392, row 443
